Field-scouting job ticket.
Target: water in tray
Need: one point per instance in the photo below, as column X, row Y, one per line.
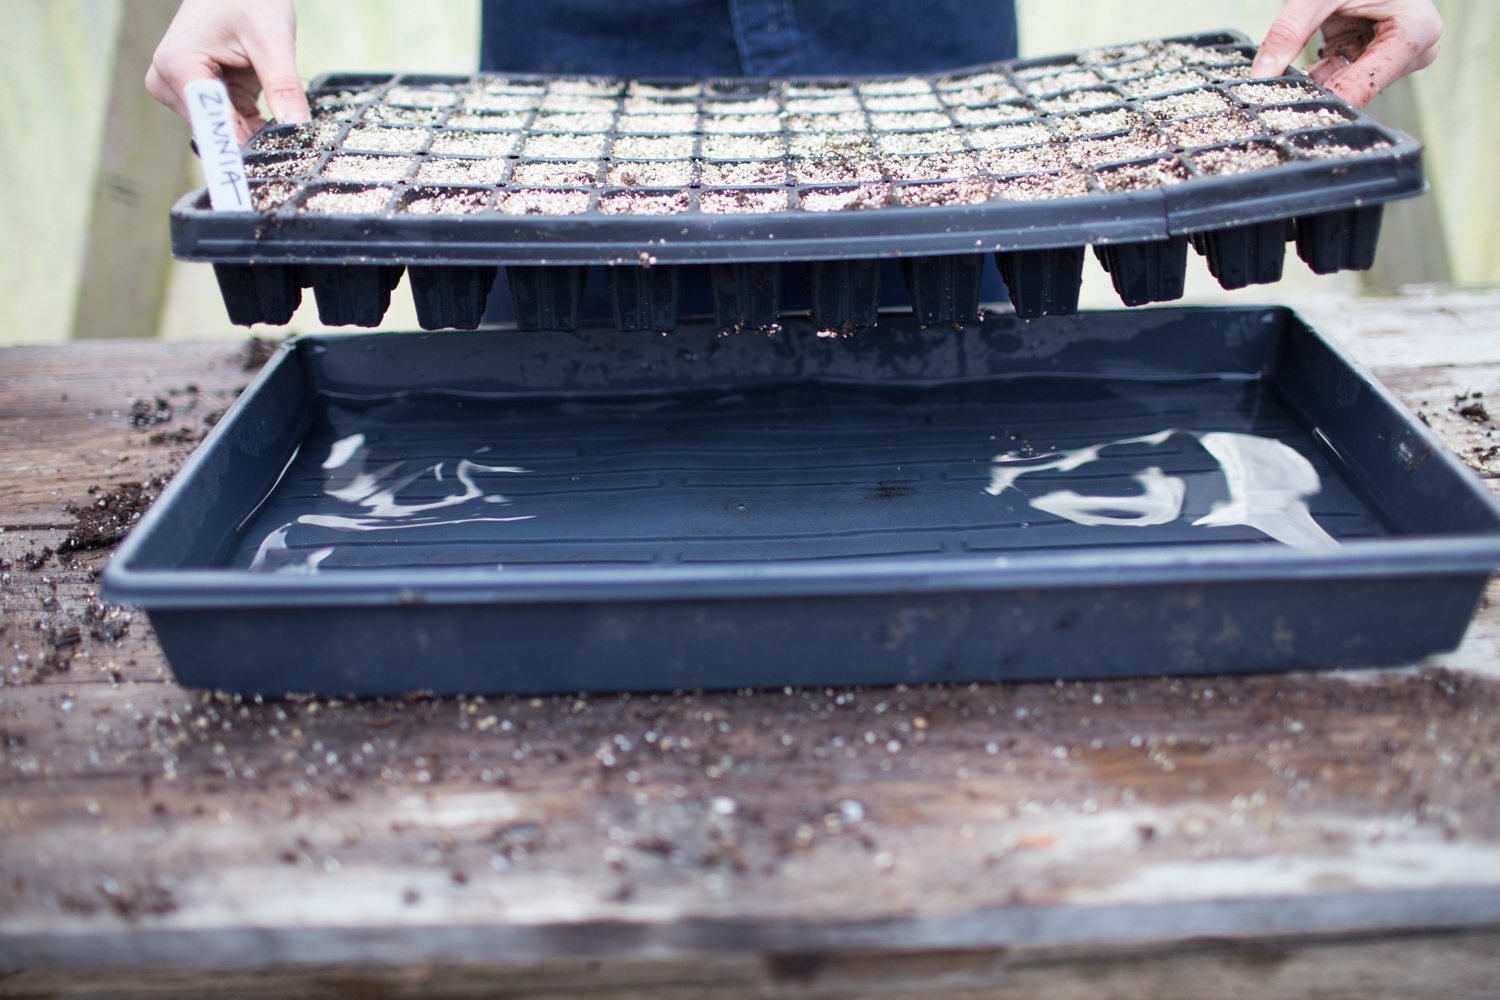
column 811, row 471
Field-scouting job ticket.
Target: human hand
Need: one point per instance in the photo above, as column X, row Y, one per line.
column 1367, row 44
column 250, row 44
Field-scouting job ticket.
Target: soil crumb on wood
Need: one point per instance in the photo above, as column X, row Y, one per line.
column 257, row 351
column 149, row 412
column 103, row 521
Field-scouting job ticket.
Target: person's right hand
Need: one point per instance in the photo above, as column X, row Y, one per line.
column 250, row 44
column 1367, row 44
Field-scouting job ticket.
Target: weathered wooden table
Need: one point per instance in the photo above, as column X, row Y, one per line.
column 1332, row 835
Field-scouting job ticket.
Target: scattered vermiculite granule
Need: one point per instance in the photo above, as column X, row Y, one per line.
column 1338, row 150
column 934, row 166
column 564, row 146
column 743, row 202
column 904, row 102
column 742, row 106
column 556, row 173
column 1078, row 100
column 1025, row 160
column 505, row 85
column 998, row 136
column 1161, row 83
column 741, row 147
column 1052, row 67
column 1201, row 55
column 904, row 85
column 297, row 164
column 741, row 124
column 1281, row 92
column 992, row 115
column 301, row 137
column 577, row 103
column 453, row 143
column 834, row 104
column 903, row 121
column 269, row 197
column 1292, row 119
column 529, row 201
column 483, row 102
column 750, row 172
column 1160, row 62
column 1098, row 123
column 1230, row 73
column 638, row 124
column 1041, row 187
column 844, row 198
column 1143, row 176
column 453, row 170
column 647, row 173
column 972, row 191
column 348, row 201
column 816, row 88
column 381, row 139
column 842, row 121
column 836, row 169
column 1059, row 82
column 944, row 141
column 1239, row 159
column 1136, row 146
column 1187, row 105
column 641, row 147
column 1119, row 53
column 587, row 86
column 384, row 114
column 422, row 97
column 500, row 121
column 549, row 121
column 327, row 111
column 657, row 106
column 638, row 89
column 1212, row 130
column 644, row 203
column 438, row 201
column 362, row 167
column 975, row 95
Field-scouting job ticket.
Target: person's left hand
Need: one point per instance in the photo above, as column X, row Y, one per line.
column 1367, row 44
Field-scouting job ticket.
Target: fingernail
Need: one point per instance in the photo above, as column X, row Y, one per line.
column 1263, row 66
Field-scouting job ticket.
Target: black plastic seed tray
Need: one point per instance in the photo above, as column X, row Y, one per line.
column 1135, row 493
column 1138, row 149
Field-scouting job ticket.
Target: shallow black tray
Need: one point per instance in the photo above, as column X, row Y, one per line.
column 600, row 511
column 1329, row 205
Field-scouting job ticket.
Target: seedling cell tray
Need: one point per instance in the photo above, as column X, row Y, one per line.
column 1140, row 150
column 1123, row 494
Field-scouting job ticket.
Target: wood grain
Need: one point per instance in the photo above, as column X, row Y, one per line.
column 1290, row 834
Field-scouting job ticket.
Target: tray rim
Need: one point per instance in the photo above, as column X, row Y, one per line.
column 199, row 234
column 1126, row 565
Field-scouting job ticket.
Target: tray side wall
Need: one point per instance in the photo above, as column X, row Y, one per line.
column 1099, row 632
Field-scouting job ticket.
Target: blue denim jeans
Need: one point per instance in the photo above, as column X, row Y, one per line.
column 697, row 38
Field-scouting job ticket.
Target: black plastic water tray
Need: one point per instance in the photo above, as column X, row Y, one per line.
column 503, row 511
column 1140, row 150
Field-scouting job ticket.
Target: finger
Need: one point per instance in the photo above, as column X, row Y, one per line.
column 167, row 81
column 1289, row 35
column 158, row 88
column 275, row 63
column 1397, row 50
column 1322, row 70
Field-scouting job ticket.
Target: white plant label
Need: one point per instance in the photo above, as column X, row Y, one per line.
column 213, row 130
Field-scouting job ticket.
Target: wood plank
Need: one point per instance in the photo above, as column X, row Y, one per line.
column 142, row 825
